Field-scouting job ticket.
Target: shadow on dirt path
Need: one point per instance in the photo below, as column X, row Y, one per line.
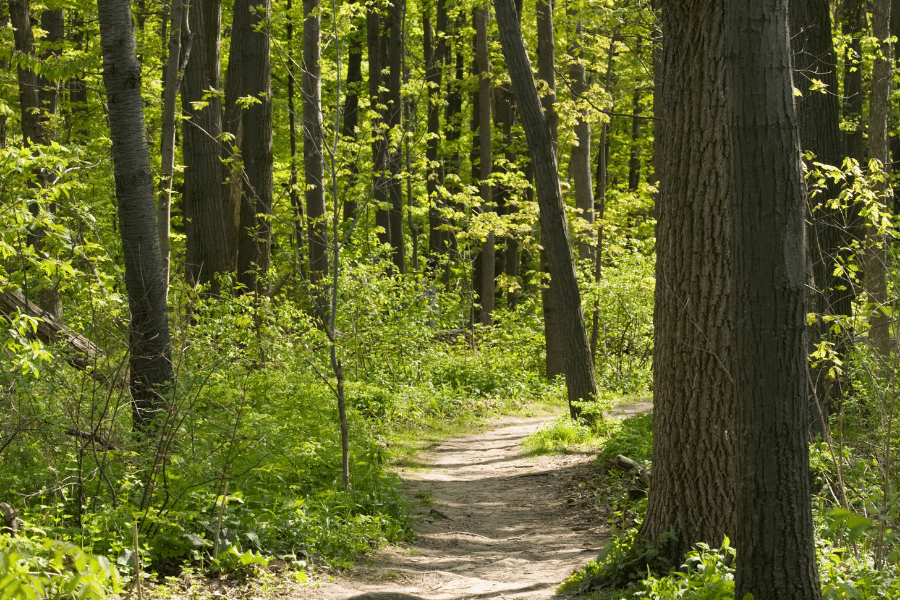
column 500, row 524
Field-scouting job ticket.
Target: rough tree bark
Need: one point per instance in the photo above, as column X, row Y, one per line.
column 208, row 216
column 249, row 76
column 693, row 451
column 149, row 351
column 313, row 139
column 579, row 368
column 774, row 537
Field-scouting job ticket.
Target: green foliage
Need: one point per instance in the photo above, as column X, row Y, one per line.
column 47, row 568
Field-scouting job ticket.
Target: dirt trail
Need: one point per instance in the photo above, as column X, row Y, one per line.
column 499, row 525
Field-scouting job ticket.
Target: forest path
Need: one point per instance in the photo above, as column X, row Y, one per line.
column 495, row 524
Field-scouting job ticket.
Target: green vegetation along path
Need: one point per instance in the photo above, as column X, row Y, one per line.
column 499, row 524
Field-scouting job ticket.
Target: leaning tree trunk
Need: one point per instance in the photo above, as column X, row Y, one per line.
column 579, row 368
column 774, row 538
column 149, row 358
column 693, row 451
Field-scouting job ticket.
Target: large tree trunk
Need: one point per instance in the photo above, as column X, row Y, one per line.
column 876, row 259
column 436, row 59
column 149, row 352
column 819, row 121
column 249, row 75
column 207, row 213
column 693, row 450
column 313, row 139
column 774, row 537
column 579, row 368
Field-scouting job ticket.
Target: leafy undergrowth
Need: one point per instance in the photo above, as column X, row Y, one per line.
column 848, row 542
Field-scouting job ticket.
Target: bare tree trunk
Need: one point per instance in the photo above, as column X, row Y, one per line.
column 350, row 112
column 580, row 380
column 377, row 46
column 876, row 259
column 313, row 138
column 485, row 160
column 819, row 121
column 175, row 65
column 693, row 492
column 580, row 161
column 546, row 72
column 209, row 217
column 436, row 58
column 774, row 536
column 149, row 351
column 395, row 49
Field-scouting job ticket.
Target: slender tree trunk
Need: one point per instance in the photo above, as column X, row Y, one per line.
column 350, row 112
column 547, row 74
column 4, row 65
column 149, row 352
column 485, row 160
column 395, row 49
column 208, row 216
column 634, row 159
column 853, row 26
column 313, row 139
column 580, row 380
column 436, row 56
column 175, row 66
column 249, row 64
column 580, row 161
column 774, row 537
column 876, row 259
column 818, row 117
column 693, row 492
column 376, row 39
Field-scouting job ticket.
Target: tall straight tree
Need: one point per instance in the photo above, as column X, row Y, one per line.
column 693, row 450
column 485, row 158
column 818, row 116
column 581, row 382
column 774, row 538
column 376, row 38
column 209, row 218
column 394, row 102
column 436, row 60
column 876, row 260
column 148, row 343
column 580, row 161
column 313, row 139
column 546, row 59
column 248, row 96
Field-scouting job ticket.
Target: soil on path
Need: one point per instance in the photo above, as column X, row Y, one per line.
column 496, row 524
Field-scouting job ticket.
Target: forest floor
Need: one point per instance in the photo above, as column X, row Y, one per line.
column 491, row 522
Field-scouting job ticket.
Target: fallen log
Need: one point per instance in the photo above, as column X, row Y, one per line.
column 84, row 354
column 91, row 437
